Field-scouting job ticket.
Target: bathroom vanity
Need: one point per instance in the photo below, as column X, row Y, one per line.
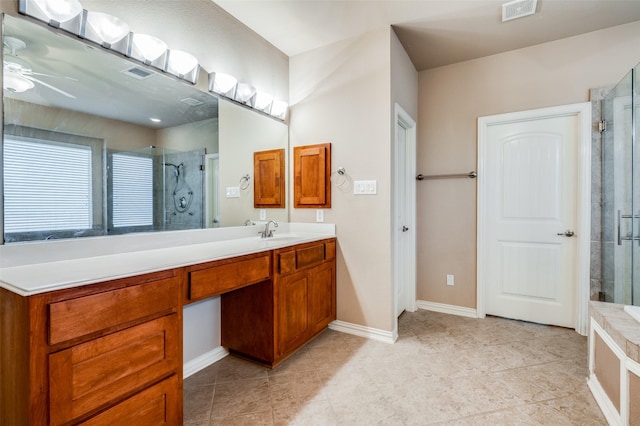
column 99, row 338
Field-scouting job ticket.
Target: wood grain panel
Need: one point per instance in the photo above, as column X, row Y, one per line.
column 308, row 256
column 88, row 376
column 293, row 321
column 322, row 296
column 268, row 172
column 70, row 319
column 312, row 173
column 215, row 280
column 152, row 407
column 287, row 262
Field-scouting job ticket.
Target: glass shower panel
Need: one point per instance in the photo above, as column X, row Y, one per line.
column 621, row 196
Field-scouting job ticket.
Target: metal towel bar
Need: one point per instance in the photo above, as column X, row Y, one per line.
column 470, row 175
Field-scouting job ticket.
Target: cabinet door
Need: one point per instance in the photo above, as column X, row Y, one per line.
column 292, row 299
column 268, row 173
column 322, row 296
column 312, row 172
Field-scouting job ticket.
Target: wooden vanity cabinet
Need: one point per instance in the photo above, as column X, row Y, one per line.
column 268, row 321
column 312, row 176
column 94, row 354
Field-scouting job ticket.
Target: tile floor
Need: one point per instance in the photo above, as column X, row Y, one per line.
column 443, row 369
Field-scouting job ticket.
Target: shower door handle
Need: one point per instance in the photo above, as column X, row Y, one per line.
column 567, row 233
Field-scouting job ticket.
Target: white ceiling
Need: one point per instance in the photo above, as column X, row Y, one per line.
column 433, row 32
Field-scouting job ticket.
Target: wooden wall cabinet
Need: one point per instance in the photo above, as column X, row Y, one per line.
column 268, row 173
column 312, row 176
column 93, row 354
column 269, row 321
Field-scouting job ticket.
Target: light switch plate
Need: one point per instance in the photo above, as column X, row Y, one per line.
column 263, row 214
column 365, row 187
column 233, row 192
column 319, row 215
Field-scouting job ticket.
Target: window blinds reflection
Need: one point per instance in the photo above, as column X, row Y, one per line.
column 47, row 185
column 132, row 190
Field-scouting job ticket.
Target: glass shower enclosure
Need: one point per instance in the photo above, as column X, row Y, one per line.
column 621, row 192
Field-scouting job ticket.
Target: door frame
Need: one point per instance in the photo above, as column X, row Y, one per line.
column 583, row 228
column 407, row 173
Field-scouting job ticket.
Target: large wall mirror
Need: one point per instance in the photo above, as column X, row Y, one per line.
column 96, row 144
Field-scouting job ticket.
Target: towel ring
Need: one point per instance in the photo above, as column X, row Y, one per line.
column 344, row 178
column 244, row 182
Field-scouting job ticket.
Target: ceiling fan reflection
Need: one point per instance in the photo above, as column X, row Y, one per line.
column 18, row 76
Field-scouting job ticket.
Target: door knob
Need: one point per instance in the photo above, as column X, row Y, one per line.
column 567, row 233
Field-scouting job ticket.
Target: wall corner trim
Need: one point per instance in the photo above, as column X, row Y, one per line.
column 462, row 311
column 366, row 332
column 201, row 362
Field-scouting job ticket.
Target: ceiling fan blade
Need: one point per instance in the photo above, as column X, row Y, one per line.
column 62, row 92
column 30, row 72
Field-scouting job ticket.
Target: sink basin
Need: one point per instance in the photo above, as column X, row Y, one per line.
column 279, row 238
column 634, row 311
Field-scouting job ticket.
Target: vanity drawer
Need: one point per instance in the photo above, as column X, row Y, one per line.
column 305, row 255
column 82, row 316
column 91, row 375
column 155, row 406
column 228, row 276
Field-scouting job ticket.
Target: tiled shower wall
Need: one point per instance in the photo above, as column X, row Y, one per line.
column 190, row 186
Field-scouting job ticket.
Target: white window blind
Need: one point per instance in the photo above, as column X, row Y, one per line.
column 132, row 190
column 47, row 186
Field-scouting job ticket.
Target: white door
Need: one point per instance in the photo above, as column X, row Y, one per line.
column 404, row 214
column 531, row 221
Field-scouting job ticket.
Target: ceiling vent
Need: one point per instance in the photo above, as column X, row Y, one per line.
column 137, row 72
column 518, row 9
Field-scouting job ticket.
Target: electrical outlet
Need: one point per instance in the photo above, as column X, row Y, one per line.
column 319, row 215
column 263, row 214
column 450, row 280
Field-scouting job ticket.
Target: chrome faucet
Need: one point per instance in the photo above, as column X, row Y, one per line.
column 249, row 222
column 268, row 233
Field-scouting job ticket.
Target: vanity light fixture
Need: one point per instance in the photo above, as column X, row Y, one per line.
column 149, row 50
column 106, row 30
column 222, row 84
column 63, row 14
column 263, row 102
column 245, row 94
column 183, row 65
column 279, row 109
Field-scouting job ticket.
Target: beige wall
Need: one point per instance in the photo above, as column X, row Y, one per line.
column 243, row 132
column 191, row 136
column 451, row 100
column 341, row 94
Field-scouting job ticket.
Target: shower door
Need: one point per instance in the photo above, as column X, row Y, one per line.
column 621, row 195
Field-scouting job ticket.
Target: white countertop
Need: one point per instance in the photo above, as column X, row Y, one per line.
column 32, row 268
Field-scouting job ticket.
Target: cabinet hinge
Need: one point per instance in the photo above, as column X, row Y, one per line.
column 602, row 126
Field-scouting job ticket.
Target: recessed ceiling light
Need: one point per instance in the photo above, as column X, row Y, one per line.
column 155, row 120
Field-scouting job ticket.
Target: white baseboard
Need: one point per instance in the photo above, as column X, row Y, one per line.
column 447, row 309
column 362, row 331
column 606, row 406
column 203, row 361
